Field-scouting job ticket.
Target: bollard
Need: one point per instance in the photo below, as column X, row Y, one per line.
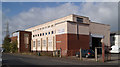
column 80, row 54
column 96, row 54
column 103, row 53
column 53, row 53
column 60, row 52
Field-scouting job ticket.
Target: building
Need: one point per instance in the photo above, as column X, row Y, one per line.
column 23, row 39
column 69, row 33
column 115, row 43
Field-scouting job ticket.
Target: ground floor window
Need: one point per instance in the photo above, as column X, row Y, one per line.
column 38, row 43
column 44, row 42
column 33, row 43
column 49, row 42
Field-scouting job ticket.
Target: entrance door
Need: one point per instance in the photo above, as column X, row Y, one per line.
column 96, row 42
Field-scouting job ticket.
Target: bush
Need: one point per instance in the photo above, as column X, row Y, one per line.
column 13, row 47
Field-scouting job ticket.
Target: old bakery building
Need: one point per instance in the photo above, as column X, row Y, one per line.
column 69, row 33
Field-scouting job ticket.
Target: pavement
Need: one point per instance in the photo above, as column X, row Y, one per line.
column 29, row 60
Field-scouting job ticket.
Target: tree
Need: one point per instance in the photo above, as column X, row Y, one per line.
column 6, row 44
column 13, row 46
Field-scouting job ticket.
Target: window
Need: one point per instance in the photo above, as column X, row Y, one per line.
column 40, row 28
column 46, row 33
column 52, row 32
column 48, row 26
column 38, row 42
column 51, row 25
column 40, row 34
column 33, row 36
column 50, row 43
column 43, row 34
column 26, row 38
column 80, row 20
column 33, row 43
column 49, row 32
column 43, row 28
column 37, row 29
column 44, row 42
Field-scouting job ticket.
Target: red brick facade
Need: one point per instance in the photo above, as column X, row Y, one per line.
column 13, row 38
column 78, row 41
column 71, row 42
column 22, row 45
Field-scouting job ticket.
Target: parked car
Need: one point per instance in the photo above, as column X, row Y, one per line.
column 86, row 53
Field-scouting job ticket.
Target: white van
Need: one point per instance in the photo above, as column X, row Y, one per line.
column 115, row 49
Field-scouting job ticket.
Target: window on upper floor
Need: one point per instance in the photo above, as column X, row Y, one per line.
column 49, row 32
column 46, row 33
column 40, row 34
column 52, row 32
column 43, row 28
column 51, row 25
column 37, row 29
column 43, row 34
column 40, row 28
column 33, row 36
column 80, row 20
column 48, row 26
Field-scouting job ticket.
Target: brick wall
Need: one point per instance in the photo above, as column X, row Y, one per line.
column 71, row 42
column 22, row 43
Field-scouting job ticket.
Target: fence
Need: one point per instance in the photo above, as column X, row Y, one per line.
column 101, row 54
column 57, row 53
column 104, row 56
column 72, row 52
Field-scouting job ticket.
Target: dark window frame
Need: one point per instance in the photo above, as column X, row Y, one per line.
column 79, row 19
column 52, row 32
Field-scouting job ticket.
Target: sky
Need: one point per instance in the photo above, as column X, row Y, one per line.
column 23, row 15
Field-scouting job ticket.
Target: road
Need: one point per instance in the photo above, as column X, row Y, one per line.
column 18, row 59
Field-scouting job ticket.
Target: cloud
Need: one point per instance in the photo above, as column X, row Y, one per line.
column 100, row 12
column 106, row 13
column 36, row 16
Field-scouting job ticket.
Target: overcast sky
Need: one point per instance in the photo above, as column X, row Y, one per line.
column 21, row 15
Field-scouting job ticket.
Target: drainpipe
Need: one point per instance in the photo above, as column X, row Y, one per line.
column 77, row 31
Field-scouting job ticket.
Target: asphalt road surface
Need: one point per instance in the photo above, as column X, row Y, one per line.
column 29, row 60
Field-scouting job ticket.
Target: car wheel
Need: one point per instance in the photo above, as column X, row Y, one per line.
column 86, row 56
column 76, row 55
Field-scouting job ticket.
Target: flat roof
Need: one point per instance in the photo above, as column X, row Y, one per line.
column 69, row 21
column 99, row 23
column 57, row 19
column 20, row 31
